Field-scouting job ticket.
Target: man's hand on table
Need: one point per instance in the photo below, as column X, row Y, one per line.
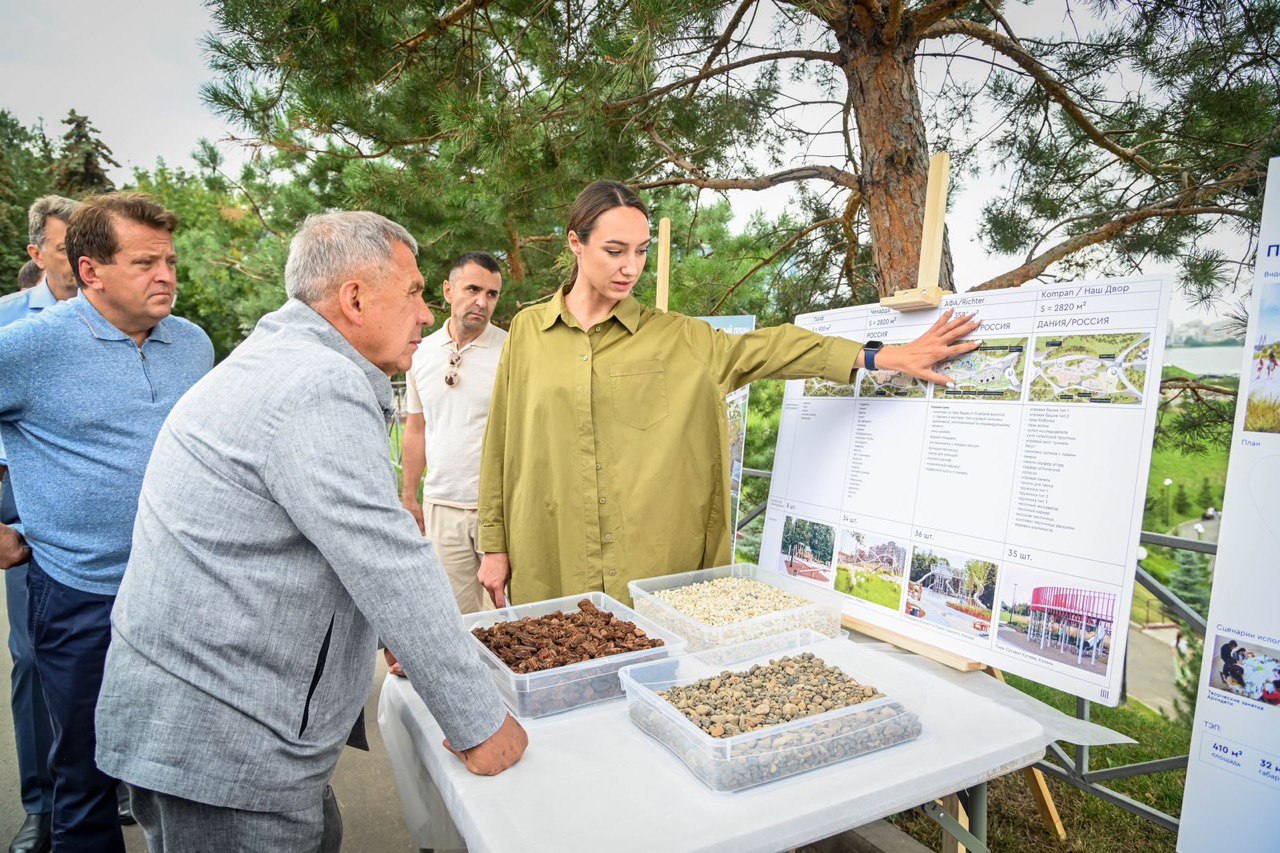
column 13, row 548
column 393, row 666
column 495, row 571
column 938, row 344
column 503, row 749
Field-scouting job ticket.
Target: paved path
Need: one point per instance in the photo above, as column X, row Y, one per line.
column 371, row 814
column 1187, row 529
column 1152, row 673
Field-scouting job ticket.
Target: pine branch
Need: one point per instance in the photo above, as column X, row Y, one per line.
column 1046, row 79
column 438, row 26
column 412, row 43
column 727, row 36
column 1184, row 383
column 1183, row 205
column 796, row 238
column 699, row 178
column 817, row 55
column 934, row 12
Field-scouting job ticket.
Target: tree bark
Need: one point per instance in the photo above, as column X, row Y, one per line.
column 515, row 258
column 894, row 155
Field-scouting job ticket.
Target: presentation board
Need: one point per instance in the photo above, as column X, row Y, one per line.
column 998, row 518
column 1233, row 769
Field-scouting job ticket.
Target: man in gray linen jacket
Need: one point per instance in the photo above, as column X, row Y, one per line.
column 270, row 550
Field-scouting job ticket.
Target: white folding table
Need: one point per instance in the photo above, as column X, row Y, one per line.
column 591, row 780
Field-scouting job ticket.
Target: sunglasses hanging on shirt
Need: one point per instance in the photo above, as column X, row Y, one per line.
column 451, row 378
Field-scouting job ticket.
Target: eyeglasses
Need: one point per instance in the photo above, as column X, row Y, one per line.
column 451, row 378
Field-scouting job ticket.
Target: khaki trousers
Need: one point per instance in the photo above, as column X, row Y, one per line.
column 456, row 536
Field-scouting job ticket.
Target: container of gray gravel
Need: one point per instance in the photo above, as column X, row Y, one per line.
column 733, row 604
column 743, row 715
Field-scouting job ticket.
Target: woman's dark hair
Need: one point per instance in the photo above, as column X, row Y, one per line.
column 592, row 203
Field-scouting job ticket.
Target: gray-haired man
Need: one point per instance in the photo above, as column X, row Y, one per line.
column 47, row 221
column 270, row 550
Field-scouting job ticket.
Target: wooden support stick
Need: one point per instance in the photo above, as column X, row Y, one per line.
column 1039, row 789
column 911, row 644
column 664, row 263
column 926, row 293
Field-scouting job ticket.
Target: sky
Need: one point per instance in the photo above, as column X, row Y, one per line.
column 138, row 76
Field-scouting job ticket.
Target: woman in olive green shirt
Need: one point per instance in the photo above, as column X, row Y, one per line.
column 606, row 456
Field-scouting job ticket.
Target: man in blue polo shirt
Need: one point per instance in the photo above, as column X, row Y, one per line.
column 77, row 451
column 47, row 221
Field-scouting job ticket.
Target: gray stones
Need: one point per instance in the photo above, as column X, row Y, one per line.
column 787, row 689
column 771, row 721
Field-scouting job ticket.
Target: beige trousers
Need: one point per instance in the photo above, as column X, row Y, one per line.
column 456, row 536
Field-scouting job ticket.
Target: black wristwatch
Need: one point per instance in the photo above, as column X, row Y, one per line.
column 869, row 349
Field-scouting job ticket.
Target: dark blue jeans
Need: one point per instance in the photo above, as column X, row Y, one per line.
column 32, row 731
column 71, row 630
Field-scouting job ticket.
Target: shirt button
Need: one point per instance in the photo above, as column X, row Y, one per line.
column 596, row 329
column 598, row 466
column 608, row 537
column 602, row 500
column 584, row 358
column 612, row 573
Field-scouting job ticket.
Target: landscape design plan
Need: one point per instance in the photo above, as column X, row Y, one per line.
column 974, row 517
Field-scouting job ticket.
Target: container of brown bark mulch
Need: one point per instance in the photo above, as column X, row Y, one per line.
column 544, row 663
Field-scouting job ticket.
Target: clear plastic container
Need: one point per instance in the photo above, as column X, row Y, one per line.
column 753, row 758
column 821, row 614
column 540, row 694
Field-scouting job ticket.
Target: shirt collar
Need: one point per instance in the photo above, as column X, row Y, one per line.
column 627, row 312
column 485, row 338
column 41, row 296
column 296, row 314
column 102, row 328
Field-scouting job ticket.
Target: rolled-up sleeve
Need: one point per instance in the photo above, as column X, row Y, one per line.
column 493, row 528
column 328, row 469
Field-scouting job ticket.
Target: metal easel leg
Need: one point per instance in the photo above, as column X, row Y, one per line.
column 953, row 827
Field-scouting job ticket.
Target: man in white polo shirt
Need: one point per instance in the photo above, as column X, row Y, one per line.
column 449, row 386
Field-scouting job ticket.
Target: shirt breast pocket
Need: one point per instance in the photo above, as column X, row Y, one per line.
column 639, row 392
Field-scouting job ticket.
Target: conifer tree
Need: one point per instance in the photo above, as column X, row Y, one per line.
column 81, row 167
column 1118, row 145
column 1189, row 580
column 25, row 157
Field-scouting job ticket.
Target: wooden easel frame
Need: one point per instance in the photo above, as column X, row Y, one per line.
column 664, row 263
column 927, row 294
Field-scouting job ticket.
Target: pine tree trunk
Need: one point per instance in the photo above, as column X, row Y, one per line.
column 894, row 153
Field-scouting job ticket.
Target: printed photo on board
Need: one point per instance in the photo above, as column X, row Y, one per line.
column 807, row 549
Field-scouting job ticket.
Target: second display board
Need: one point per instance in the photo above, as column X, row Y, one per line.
column 997, row 519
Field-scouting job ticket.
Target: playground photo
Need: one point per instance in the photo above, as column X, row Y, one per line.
column 807, row 548
column 1263, row 412
column 1246, row 669
column 737, row 409
column 1057, row 618
column 871, row 567
column 951, row 590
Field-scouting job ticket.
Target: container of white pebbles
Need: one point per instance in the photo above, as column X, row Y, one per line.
column 755, row 712
column 733, row 604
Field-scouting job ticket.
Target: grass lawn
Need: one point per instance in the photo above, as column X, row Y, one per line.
column 1189, row 471
column 1092, row 825
column 877, row 590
